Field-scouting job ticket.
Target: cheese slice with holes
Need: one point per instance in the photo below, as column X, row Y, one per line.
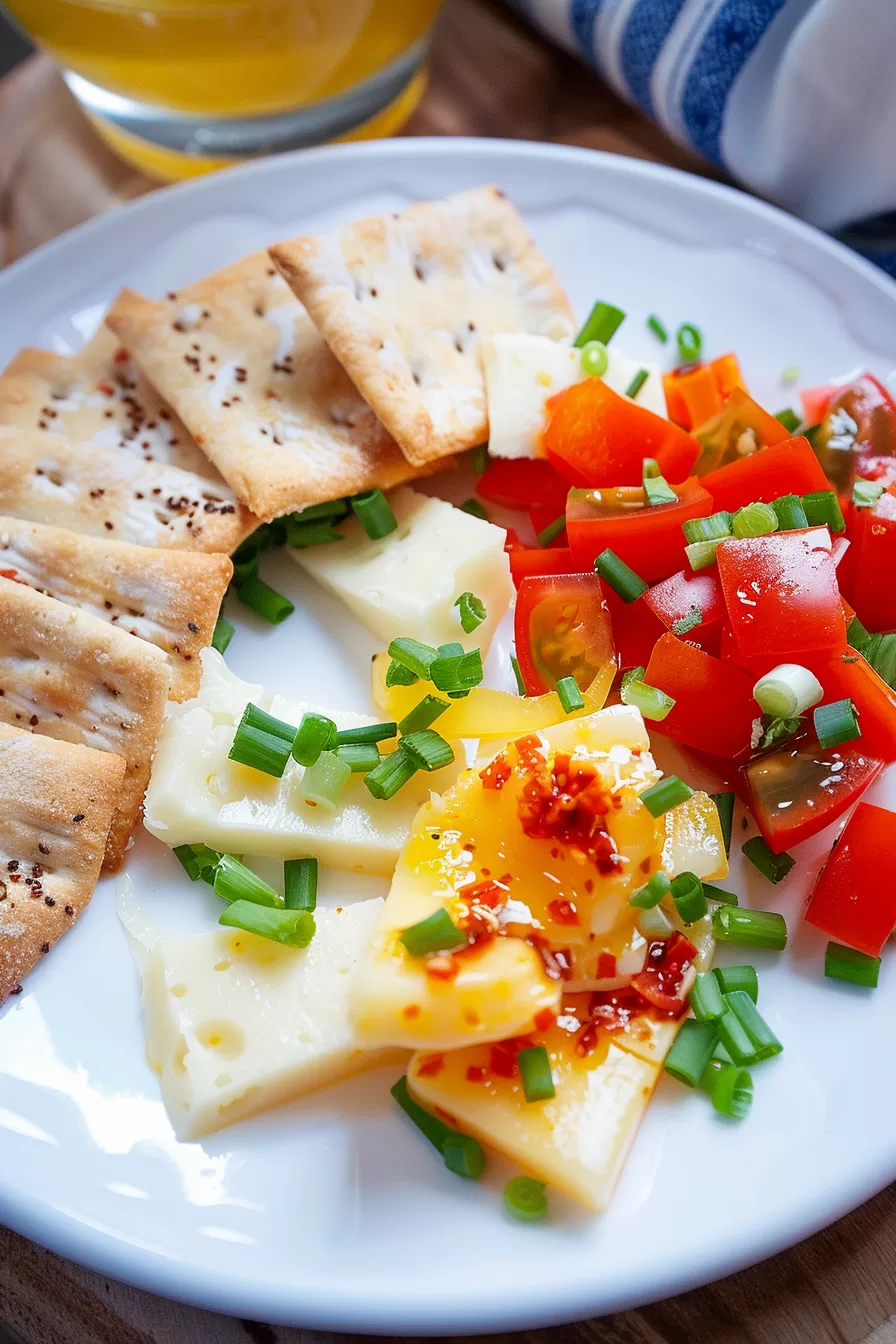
column 197, row 795
column 236, row 1023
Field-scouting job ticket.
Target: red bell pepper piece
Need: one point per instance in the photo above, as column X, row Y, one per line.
column 872, row 590
column 789, row 468
column 695, row 394
column 532, row 561
column 873, row 698
column 562, row 629
column 635, row 629
column 854, row 900
column 520, row 482
column 714, row 706
column 678, row 597
column 781, row 595
column 797, row 791
column 648, row 538
column 595, row 437
column 542, row 515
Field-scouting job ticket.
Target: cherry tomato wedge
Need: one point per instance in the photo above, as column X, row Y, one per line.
column 531, row 561
column 685, row 595
column 596, row 437
column 648, row 538
column 798, row 790
column 562, row 629
column 522, row 482
column 853, row 901
column 789, row 468
column 714, row 706
column 739, row 429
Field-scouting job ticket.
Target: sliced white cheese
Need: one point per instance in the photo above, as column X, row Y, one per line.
column 407, row 583
column 622, row 369
column 196, row 795
column 236, row 1024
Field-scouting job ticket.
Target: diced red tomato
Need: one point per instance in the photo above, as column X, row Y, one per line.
column 714, row 706
column 649, row 539
column 798, row 790
column 854, row 901
column 789, row 468
column 542, row 515
column 872, row 590
column 531, row 561
column 781, row 595
column 520, row 482
column 678, row 597
column 662, row 981
column 635, row 629
column 562, row 629
column 816, row 401
column 740, row 428
column 873, row 698
column 595, row 437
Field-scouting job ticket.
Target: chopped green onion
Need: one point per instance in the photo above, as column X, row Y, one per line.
column 294, row 928
column 685, row 624
column 725, row 807
column 714, row 528
column 865, row 494
column 197, row 861
column 535, row 1073
column 836, row 722
column 374, row 514
column 525, row 1199
column 360, row 757
column 552, row 531
column 472, row 611
column 822, row 508
column 632, row 674
column 300, row 884
column 336, row 509
column 653, row 703
column 245, row 561
column 732, row 978
column 595, row 359
column 749, row 928
column 316, row 733
column 721, row 1055
column 222, row 634
column 235, row 882
column 657, row 328
column 254, row 717
column 392, row 773
column 754, row 520
column 687, row 893
column 650, row 895
column 735, row 1037
column 778, row 730
column 764, row 1041
column 262, row 742
column 714, row 893
column 732, row 1091
column 655, row 923
column 462, row 1154
column 474, row 508
column 666, row 794
column 706, row 999
column 437, row 933
column 811, row 433
column 702, row 554
column 790, row 513
column 787, row 691
column 317, row 532
column 656, row 488
column 265, row 601
column 635, row 386
column 691, row 1051
column 857, row 636
column 424, row 713
column 790, row 374
column 571, row 698
column 451, row 650
column 789, row 419
column 426, row 749
column 367, row 732
column 323, row 783
column 411, row 654
column 690, row 343
column 773, row 866
column 399, row 675
column 520, row 684
column 846, row 963
column 602, row 323
column 460, row 672
column 881, row 654
column 479, row 458
column 624, row 581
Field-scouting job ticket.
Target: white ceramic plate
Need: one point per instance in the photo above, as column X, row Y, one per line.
column 333, row 1212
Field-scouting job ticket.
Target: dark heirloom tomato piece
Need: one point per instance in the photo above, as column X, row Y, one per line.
column 859, row 424
column 854, row 898
column 714, row 707
column 663, row 981
column 789, row 468
column 680, row 599
column 739, row 429
column 647, row 537
column 562, row 629
column 795, row 792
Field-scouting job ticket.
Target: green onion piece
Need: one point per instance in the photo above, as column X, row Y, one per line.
column 787, row 691
column 721, row 1054
column 424, row 713
column 655, row 923
column 323, row 782
column 650, row 700
column 265, row 601
column 822, row 507
column 316, row 734
column 725, row 807
column 685, row 624
column 690, row 343
column 300, row 884
column 657, row 328
column 245, row 564
column 520, row 684
column 235, row 882
column 706, row 999
column 865, row 494
column 749, row 928
column 336, row 509
column 701, row 554
column 711, row 1073
column 778, row 730
column 624, row 581
column 360, row 757
column 646, row 897
column 633, row 674
column 733, row 978
column 595, row 359
column 392, row 773
column 451, row 650
column 666, row 794
column 773, row 866
column 754, row 520
column 691, row 1051
column 881, row 654
column 571, row 698
column 472, row 611
column 374, row 514
column 249, row 550
column 367, row 732
column 734, row 1036
column 790, row 374
column 714, row 528
column 474, row 508
column 857, row 636
column 635, row 386
column 262, row 742
column 254, row 717
column 525, row 1199
column 656, row 488
column 316, row 532
column 764, row 1041
column 479, row 458
column 462, row 1154
column 294, row 928
column 602, row 323
column 535, row 1073
column 197, row 861
column 437, row 933
column 399, row 675
column 222, row 634
column 687, row 893
column 789, row 419
column 552, row 531
column 714, row 893
column 460, row 672
column 732, row 1092
column 846, row 963
column 427, row 749
column 790, row 513
column 411, row 654
column 836, row 722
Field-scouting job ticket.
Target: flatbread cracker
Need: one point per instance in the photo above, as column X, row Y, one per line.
column 403, row 301
column 65, row 674
column 243, row 365
column 57, row 801
column 101, row 492
column 170, row 598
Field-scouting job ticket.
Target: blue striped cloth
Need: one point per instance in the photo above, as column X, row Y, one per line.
column 794, row 98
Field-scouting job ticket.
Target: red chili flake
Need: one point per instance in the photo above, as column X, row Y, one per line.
column 106, row 388
column 496, row 773
column 557, row 962
column 431, row 1065
column 476, row 1074
column 502, row 1056
column 668, row 961
column 544, row 1019
column 606, row 966
column 444, row 967
column 586, row 1039
column 121, row 356
column 562, row 911
column 411, row 1011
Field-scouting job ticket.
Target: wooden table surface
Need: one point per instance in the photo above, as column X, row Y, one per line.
column 490, row 76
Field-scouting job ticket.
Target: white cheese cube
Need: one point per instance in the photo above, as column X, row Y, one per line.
column 622, row 369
